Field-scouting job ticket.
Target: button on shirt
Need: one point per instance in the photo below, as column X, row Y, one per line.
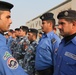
column 44, row 51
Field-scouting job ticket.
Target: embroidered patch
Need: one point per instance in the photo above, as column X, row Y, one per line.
column 66, row 13
column 12, row 63
column 6, row 55
column 42, row 17
column 71, row 55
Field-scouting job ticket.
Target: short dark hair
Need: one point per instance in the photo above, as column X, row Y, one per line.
column 53, row 22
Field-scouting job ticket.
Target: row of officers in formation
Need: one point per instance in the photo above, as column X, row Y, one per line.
column 22, row 47
column 22, row 54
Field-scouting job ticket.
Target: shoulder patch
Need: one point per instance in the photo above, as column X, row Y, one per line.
column 12, row 63
column 6, row 55
column 53, row 40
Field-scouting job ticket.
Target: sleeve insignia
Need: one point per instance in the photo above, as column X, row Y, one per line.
column 6, row 55
column 12, row 63
column 66, row 13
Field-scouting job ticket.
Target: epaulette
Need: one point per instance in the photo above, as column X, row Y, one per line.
column 53, row 40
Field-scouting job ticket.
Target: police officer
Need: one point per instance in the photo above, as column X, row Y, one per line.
column 47, row 45
column 15, row 42
column 17, row 33
column 20, row 50
column 66, row 56
column 29, row 59
column 8, row 64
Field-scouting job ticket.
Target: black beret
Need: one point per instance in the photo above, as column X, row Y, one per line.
column 5, row 5
column 24, row 28
column 33, row 30
column 67, row 14
column 17, row 29
column 47, row 16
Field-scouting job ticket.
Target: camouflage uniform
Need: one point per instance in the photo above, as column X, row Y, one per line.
column 13, row 46
column 29, row 59
column 21, row 50
column 9, row 42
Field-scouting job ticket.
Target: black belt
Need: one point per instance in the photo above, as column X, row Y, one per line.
column 48, row 71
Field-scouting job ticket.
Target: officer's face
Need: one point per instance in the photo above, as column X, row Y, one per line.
column 5, row 21
column 9, row 33
column 17, row 33
column 22, row 33
column 65, row 27
column 45, row 26
column 30, row 36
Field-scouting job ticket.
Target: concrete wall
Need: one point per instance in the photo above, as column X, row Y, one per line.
column 73, row 4
column 36, row 23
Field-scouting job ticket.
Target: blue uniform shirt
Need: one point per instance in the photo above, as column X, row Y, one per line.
column 8, row 65
column 44, row 52
column 66, row 58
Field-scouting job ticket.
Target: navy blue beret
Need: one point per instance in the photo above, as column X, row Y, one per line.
column 5, row 5
column 67, row 14
column 47, row 16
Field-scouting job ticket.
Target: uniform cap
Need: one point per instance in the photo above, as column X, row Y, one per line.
column 24, row 28
column 67, row 14
column 5, row 5
column 47, row 16
column 17, row 29
column 33, row 30
column 10, row 30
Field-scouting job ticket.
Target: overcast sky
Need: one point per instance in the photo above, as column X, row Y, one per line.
column 25, row 10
